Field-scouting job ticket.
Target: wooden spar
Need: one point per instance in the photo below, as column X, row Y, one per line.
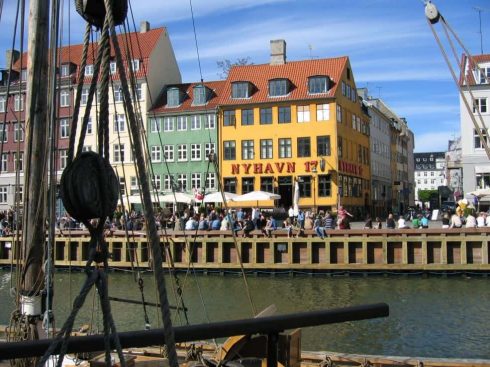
column 36, row 140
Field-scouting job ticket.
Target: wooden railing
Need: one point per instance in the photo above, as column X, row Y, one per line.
column 464, row 249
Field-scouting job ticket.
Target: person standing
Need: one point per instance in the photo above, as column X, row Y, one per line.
column 291, row 214
column 301, row 219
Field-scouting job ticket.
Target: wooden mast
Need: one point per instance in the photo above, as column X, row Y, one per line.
column 35, row 172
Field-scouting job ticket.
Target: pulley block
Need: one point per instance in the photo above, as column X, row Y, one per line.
column 89, row 187
column 93, row 11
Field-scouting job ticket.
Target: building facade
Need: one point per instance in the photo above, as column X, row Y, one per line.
column 454, row 170
column 430, row 172
column 301, row 121
column 475, row 84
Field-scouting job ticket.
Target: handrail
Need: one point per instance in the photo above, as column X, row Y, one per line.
column 270, row 325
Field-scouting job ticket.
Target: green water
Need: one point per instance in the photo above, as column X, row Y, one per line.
column 431, row 317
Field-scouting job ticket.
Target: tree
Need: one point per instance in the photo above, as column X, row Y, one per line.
column 425, row 195
column 225, row 65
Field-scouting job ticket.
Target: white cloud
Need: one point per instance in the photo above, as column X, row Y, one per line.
column 433, row 141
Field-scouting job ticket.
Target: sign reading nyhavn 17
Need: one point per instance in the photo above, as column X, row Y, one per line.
column 270, row 168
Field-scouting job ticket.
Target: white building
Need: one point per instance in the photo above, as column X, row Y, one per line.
column 430, row 171
column 475, row 162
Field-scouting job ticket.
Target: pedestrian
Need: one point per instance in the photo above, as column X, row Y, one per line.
column 291, row 214
column 301, row 219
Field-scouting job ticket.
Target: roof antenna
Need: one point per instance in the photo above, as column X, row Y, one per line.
column 479, row 10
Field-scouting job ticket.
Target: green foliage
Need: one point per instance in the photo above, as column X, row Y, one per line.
column 424, row 195
column 225, row 65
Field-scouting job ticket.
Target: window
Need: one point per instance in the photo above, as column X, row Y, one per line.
column 64, row 98
column 119, row 122
column 19, row 161
column 5, row 159
column 303, row 113
column 285, row 148
column 135, row 65
column 247, row 184
column 484, row 75
column 156, row 153
column 208, row 149
column 247, row 149
column 304, row 147
column 173, row 97
column 168, row 123
column 168, row 153
column 240, row 90
column 482, row 180
column 340, row 147
column 157, row 182
column 339, row 114
column 84, row 97
column 167, row 182
column 3, row 133
column 18, row 132
column 229, row 118
column 195, row 152
column 23, row 75
column 139, row 92
column 278, row 87
column 3, row 103
column 211, row 181
column 229, row 150
column 317, row 84
column 305, row 186
column 266, row 116
column 322, row 112
column 284, row 114
column 113, row 67
column 196, row 180
column 266, row 149
column 3, row 194
column 196, row 122
column 118, row 153
column 89, row 125
column 182, row 123
column 19, row 102
column 480, row 105
column 155, row 125
column 199, row 95
column 86, row 148
column 89, row 70
column 182, row 152
column 64, row 128
column 118, row 94
column 210, row 122
column 63, row 158
column 182, row 181
column 267, row 184
column 248, row 117
column 477, row 140
column 65, row 70
column 230, row 184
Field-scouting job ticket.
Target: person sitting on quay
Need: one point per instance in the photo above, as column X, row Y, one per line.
column 203, row 223
column 416, row 221
column 328, row 221
column 318, row 227
column 369, row 222
column 445, row 220
column 481, row 220
column 268, row 228
column 401, row 223
column 248, row 227
column 288, row 226
column 191, row 224
column 424, row 222
column 216, row 223
column 470, row 221
column 390, row 221
column 378, row 224
column 308, row 221
column 455, row 221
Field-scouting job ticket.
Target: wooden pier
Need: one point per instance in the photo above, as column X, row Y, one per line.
column 407, row 250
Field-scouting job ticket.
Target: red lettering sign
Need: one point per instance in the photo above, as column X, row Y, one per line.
column 279, row 166
column 291, row 167
column 246, row 167
column 257, row 168
column 268, row 168
column 235, row 169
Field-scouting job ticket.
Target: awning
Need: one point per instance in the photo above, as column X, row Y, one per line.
column 482, row 169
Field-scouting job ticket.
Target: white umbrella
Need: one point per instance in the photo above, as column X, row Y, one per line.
column 216, row 197
column 296, row 198
column 178, row 197
column 136, row 199
column 480, row 193
column 257, row 196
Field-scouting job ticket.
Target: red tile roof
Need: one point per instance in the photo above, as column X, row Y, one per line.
column 467, row 65
column 297, row 72
column 188, row 91
column 139, row 45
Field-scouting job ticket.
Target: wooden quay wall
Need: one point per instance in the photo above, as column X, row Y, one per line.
column 407, row 250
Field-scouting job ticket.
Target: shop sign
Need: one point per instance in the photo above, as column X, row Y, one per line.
column 352, row 168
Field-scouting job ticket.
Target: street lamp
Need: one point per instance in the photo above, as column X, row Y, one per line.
column 313, row 177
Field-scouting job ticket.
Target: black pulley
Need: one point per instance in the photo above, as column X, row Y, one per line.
column 93, row 11
column 89, row 187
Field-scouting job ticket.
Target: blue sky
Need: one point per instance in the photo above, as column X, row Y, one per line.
column 390, row 46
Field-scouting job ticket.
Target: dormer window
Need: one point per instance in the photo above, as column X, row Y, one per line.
column 484, row 75
column 241, row 90
column 113, row 67
column 318, row 84
column 173, row 97
column 200, row 93
column 135, row 65
column 89, row 70
column 65, row 70
column 278, row 87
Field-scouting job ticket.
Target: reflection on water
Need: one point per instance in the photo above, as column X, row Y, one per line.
column 432, row 317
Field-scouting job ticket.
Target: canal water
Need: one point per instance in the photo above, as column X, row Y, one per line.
column 429, row 317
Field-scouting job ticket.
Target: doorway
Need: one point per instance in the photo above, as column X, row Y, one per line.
column 285, row 189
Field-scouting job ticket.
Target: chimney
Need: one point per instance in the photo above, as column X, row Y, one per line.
column 278, row 52
column 11, row 54
column 144, row 26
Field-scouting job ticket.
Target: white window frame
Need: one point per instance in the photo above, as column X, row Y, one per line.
column 118, row 94
column 208, row 147
column 5, row 162
column 182, row 180
column 89, row 70
column 87, row 148
column 118, row 152
column 64, row 98
column 3, row 103
column 84, row 97
column 167, row 183
column 323, row 112
column 65, row 70
column 63, row 158
column 195, row 180
column 113, row 67
column 211, row 181
column 303, row 113
column 182, row 153
column 156, row 153
column 135, row 65
column 119, row 122
column 339, row 113
column 195, row 122
column 89, row 125
column 139, row 92
column 196, row 152
column 3, row 194
column 480, row 105
column 19, row 102
column 4, row 133
column 156, row 124
column 18, row 132
column 64, row 128
column 182, row 123
column 168, row 123
column 169, row 153
column 157, row 182
column 210, row 122
column 19, row 163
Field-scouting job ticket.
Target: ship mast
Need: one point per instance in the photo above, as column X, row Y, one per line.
column 35, row 173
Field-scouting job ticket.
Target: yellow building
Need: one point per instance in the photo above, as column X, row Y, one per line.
column 287, row 122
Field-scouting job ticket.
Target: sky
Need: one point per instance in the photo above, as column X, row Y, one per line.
column 390, row 45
